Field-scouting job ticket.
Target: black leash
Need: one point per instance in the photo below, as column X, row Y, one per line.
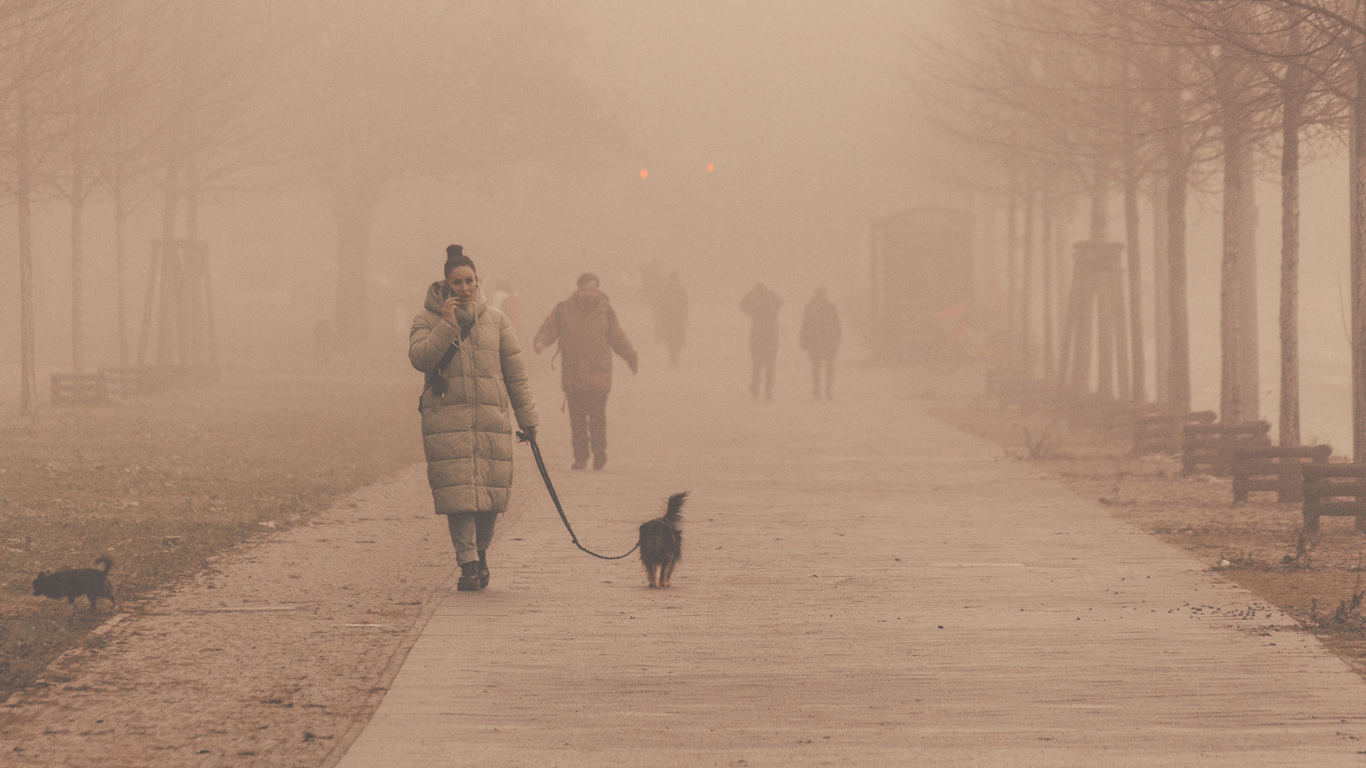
column 540, row 463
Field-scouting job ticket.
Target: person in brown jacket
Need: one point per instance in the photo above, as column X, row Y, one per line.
column 586, row 328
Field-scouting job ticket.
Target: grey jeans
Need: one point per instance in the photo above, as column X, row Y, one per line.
column 471, row 532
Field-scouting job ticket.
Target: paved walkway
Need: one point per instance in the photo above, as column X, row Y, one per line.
column 861, row 586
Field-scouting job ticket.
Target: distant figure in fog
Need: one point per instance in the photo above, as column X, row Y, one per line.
column 472, row 361
column 505, row 299
column 820, row 337
column 586, row 328
column 671, row 317
column 762, row 305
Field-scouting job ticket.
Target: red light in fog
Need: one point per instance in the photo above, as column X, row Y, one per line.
column 644, row 173
column 710, row 167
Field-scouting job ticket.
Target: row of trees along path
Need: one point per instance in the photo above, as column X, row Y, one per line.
column 1067, row 105
column 139, row 103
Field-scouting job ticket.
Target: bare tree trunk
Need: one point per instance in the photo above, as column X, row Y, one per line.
column 1161, row 295
column 1179, row 380
column 1291, row 104
column 1012, row 268
column 1233, row 128
column 1119, row 321
column 1249, row 343
column 76, row 142
column 1077, row 331
column 116, row 184
column 1230, row 279
column 1061, row 245
column 1049, row 290
column 120, row 270
column 1178, row 162
column 77, row 268
column 1103, row 338
column 1358, row 261
column 1100, row 214
column 169, row 278
column 190, row 307
column 23, row 190
column 1027, row 281
column 1139, row 372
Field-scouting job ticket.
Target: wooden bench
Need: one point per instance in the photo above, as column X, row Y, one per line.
column 78, row 389
column 147, row 380
column 1211, row 446
column 1335, row 490
column 1279, row 469
column 1162, row 432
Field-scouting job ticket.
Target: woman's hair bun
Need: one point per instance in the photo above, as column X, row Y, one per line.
column 455, row 257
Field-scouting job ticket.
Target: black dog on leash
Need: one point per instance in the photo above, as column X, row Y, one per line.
column 661, row 542
column 71, row 584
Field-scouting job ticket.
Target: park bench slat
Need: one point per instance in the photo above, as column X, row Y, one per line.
column 1253, row 428
column 1328, row 489
column 1162, row 432
column 1316, row 471
column 1275, row 468
column 1316, row 452
column 78, row 389
column 1325, row 488
column 1213, row 445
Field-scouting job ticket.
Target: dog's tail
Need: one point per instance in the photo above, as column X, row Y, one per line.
column 107, row 560
column 675, row 507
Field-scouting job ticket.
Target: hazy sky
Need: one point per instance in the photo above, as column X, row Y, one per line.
column 797, row 106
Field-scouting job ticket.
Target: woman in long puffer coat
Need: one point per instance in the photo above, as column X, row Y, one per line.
column 474, row 375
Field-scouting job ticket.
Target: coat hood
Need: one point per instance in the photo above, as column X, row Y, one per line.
column 437, row 294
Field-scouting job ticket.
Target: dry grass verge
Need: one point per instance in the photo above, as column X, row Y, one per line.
column 164, row 484
column 1320, row 580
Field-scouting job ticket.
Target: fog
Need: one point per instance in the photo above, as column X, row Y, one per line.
column 800, row 114
column 807, row 114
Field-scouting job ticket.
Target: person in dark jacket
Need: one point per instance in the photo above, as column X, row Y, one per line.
column 820, row 337
column 762, row 305
column 586, row 328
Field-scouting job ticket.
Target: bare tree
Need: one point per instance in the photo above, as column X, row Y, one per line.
column 1305, row 50
column 438, row 91
column 35, row 37
column 1011, row 95
column 97, row 79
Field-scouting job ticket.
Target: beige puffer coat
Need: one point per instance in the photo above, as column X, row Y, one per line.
column 466, row 433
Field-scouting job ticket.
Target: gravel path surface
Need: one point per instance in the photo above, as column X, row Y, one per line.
column 276, row 656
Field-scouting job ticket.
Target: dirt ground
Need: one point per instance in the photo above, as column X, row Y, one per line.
column 184, row 678
column 214, row 504
column 160, row 484
column 1258, row 545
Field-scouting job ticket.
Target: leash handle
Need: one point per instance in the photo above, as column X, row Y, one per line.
column 540, row 464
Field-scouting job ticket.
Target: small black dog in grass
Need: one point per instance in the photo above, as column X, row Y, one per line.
column 71, row 584
column 661, row 542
